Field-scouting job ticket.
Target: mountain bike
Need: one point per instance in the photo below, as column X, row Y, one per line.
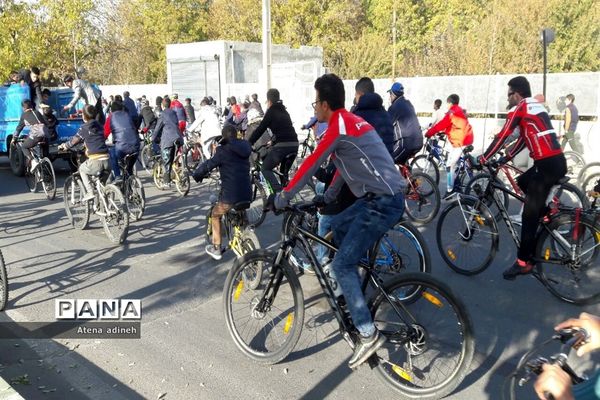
column 430, row 343
column 575, row 163
column 240, row 237
column 148, row 151
column 192, row 151
column 178, row 173
column 306, row 148
column 132, row 188
column 108, row 203
column 3, row 283
column 434, row 156
column 589, row 169
column 531, row 365
column 42, row 173
column 566, row 255
column 422, row 196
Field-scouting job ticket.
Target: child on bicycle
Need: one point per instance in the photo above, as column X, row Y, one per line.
column 232, row 159
column 92, row 135
column 167, row 128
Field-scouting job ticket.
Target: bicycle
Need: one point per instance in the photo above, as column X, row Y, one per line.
column 306, row 148
column 108, row 203
column 147, row 151
column 3, row 283
column 422, row 196
column 240, row 237
column 415, row 346
column 567, row 240
column 132, row 188
column 178, row 173
column 529, row 367
column 587, row 171
column 192, row 151
column 575, row 163
column 42, row 173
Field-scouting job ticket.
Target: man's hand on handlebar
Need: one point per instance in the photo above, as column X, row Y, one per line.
column 591, row 324
column 553, row 381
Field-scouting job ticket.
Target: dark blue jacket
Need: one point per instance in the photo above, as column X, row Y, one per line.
column 168, row 129
column 232, row 159
column 125, row 136
column 370, row 108
column 403, row 111
column 131, row 108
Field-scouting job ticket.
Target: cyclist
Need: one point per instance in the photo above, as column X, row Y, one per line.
column 456, row 126
column 148, row 116
column 407, row 135
column 179, row 111
column 232, row 159
column 364, row 164
column 207, row 124
column 90, row 94
column 284, row 140
column 553, row 380
column 369, row 106
column 167, row 128
column 38, row 132
column 124, row 136
column 549, row 166
column 95, row 148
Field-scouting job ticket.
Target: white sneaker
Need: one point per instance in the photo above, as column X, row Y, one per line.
column 516, row 219
column 214, row 252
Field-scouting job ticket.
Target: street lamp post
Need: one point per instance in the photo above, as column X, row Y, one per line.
column 547, row 37
column 266, row 41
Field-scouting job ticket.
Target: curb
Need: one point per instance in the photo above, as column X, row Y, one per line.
column 7, row 392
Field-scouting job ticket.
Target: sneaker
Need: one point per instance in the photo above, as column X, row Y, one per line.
column 520, row 267
column 366, row 348
column 214, row 251
column 516, row 219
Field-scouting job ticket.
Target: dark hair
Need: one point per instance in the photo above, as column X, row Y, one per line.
column 13, row 73
column 158, row 101
column 210, row 100
column 453, row 98
column 167, row 102
column 126, row 94
column 68, row 78
column 254, row 96
column 27, row 104
column 35, row 70
column 46, row 92
column 118, row 97
column 365, row 85
column 273, row 95
column 520, row 84
column 233, row 100
column 331, row 90
column 89, row 112
column 437, row 103
column 228, row 133
column 188, row 100
column 571, row 97
column 204, row 101
column 246, row 104
column 116, row 106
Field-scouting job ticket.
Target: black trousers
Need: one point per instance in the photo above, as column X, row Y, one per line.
column 536, row 183
column 275, row 156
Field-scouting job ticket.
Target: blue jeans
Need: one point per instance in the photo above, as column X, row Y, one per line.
column 324, row 227
column 355, row 230
column 115, row 156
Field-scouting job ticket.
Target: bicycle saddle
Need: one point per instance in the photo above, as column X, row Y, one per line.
column 242, row 205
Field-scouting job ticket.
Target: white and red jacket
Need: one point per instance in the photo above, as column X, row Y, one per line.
column 535, row 132
column 361, row 159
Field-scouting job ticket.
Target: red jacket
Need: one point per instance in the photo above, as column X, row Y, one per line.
column 456, row 126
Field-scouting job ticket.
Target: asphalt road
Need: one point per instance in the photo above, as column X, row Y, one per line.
column 186, row 351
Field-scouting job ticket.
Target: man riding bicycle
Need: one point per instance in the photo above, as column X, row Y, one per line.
column 38, row 131
column 364, row 163
column 285, row 140
column 207, row 126
column 549, row 166
column 167, row 128
column 124, row 136
column 232, row 159
column 407, row 135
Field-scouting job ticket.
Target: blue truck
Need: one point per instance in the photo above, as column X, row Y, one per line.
column 10, row 113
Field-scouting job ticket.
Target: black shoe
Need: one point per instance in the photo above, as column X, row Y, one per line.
column 518, row 268
column 366, row 348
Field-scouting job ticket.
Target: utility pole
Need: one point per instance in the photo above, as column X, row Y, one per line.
column 547, row 37
column 266, row 42
column 394, row 31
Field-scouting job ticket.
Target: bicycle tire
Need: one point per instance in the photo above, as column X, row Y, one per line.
column 482, row 180
column 585, row 171
column 48, row 178
column 116, row 220
column 476, row 220
column 576, row 198
column 436, row 342
column 77, row 211
column 292, row 320
column 3, row 283
column 147, row 158
column 193, row 157
column 31, row 180
column 401, row 249
column 588, row 186
column 157, row 175
column 252, row 275
column 424, row 163
column 575, row 163
column 135, row 197
column 256, row 213
column 552, row 251
column 182, row 181
column 420, row 191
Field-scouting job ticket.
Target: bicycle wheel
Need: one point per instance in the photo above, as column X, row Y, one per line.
column 569, row 195
column 3, row 283
column 157, row 175
column 31, row 179
column 136, row 197
column 588, row 188
column 477, row 187
column 265, row 331
column 77, row 211
column 252, row 273
column 48, row 178
column 431, row 357
column 422, row 198
column 591, row 168
column 182, row 180
column 401, row 249
column 571, row 279
column 256, row 213
column 575, row 163
column 467, row 236
column 424, row 163
column 147, row 158
column 116, row 218
column 193, row 157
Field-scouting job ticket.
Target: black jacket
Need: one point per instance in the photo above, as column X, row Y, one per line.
column 234, row 168
column 278, row 120
column 403, row 111
column 149, row 117
column 370, row 108
column 190, row 114
column 345, row 197
column 92, row 134
column 167, row 128
column 28, row 118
